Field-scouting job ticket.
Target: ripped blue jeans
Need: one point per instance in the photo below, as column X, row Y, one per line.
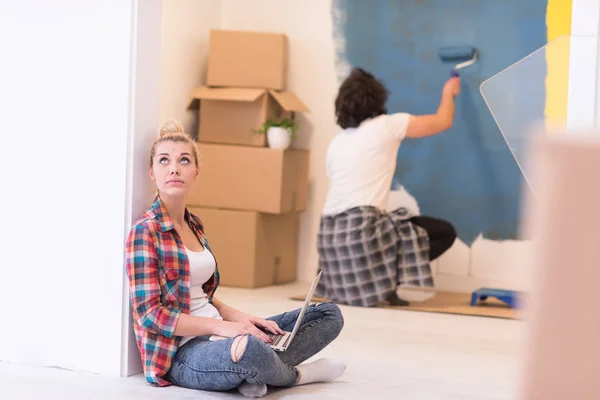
column 205, row 365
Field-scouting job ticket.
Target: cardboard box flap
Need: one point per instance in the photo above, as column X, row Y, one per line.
column 230, row 94
column 288, row 101
column 226, row 94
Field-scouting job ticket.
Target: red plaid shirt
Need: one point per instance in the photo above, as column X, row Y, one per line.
column 159, row 286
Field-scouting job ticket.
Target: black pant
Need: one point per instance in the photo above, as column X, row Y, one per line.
column 441, row 234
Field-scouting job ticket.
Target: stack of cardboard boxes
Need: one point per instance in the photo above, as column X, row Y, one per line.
column 248, row 195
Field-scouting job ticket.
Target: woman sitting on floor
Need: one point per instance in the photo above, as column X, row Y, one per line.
column 365, row 252
column 173, row 277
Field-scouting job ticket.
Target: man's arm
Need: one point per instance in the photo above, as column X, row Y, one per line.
column 427, row 125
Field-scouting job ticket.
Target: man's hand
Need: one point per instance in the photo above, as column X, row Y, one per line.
column 452, row 87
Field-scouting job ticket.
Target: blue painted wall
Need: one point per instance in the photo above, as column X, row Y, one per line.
column 466, row 175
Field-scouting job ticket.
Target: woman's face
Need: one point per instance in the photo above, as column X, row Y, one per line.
column 173, row 169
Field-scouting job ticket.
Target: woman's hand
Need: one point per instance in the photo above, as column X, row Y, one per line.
column 232, row 315
column 258, row 322
column 270, row 326
column 232, row 329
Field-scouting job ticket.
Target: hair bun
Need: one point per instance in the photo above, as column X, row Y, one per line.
column 172, row 127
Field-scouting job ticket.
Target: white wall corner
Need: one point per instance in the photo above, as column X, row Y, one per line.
column 143, row 122
column 597, row 75
column 582, row 107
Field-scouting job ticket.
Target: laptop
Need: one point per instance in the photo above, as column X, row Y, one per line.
column 282, row 342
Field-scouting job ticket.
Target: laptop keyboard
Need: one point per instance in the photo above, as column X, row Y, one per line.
column 276, row 338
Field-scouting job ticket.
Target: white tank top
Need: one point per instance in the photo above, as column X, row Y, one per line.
column 202, row 267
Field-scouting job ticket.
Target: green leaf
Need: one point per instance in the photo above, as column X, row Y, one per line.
column 286, row 123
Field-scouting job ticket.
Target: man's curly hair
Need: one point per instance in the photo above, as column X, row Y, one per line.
column 361, row 96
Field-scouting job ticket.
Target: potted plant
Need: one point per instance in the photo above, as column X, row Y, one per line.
column 280, row 133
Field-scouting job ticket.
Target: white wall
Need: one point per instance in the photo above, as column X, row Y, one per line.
column 144, row 102
column 184, row 41
column 583, row 64
column 64, row 115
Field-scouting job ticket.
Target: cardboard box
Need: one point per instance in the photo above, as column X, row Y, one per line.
column 247, row 59
column 260, row 179
column 229, row 115
column 252, row 249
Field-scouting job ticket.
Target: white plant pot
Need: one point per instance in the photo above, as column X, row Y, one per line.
column 279, row 138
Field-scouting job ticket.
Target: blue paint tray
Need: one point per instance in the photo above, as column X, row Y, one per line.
column 510, row 297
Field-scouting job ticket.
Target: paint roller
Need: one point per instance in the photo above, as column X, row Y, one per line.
column 457, row 53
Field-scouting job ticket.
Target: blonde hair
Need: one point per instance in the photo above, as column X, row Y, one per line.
column 173, row 131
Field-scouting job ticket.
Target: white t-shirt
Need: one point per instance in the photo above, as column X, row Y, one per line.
column 202, row 267
column 361, row 163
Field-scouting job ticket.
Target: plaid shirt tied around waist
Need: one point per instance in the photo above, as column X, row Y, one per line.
column 159, row 286
column 365, row 253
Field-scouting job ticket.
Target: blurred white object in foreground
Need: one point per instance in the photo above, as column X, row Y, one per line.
column 562, row 350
